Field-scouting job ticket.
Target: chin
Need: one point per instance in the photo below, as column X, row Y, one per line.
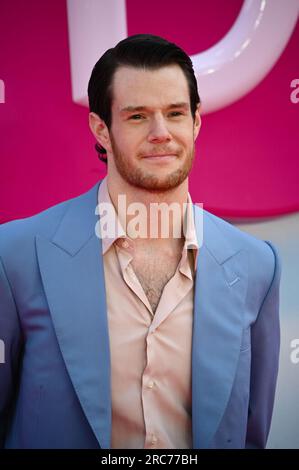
column 151, row 182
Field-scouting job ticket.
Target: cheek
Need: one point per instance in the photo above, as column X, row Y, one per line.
column 128, row 146
column 134, row 138
column 183, row 132
column 121, row 139
column 186, row 138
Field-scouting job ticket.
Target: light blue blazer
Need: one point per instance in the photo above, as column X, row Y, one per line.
column 55, row 381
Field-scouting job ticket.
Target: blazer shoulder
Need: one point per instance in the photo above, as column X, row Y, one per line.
column 17, row 234
column 262, row 253
column 237, row 236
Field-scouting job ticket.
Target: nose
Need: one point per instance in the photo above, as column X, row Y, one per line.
column 158, row 132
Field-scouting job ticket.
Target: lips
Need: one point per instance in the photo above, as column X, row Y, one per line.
column 161, row 158
column 158, row 155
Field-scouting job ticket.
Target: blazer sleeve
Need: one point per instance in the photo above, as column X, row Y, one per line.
column 10, row 336
column 265, row 344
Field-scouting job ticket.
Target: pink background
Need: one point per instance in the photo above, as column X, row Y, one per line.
column 247, row 154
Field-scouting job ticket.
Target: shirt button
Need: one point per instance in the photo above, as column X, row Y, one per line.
column 150, row 384
column 154, row 440
column 125, row 244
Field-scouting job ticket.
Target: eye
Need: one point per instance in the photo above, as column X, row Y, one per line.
column 136, row 117
column 176, row 113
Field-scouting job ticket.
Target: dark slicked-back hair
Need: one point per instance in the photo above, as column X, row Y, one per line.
column 140, row 51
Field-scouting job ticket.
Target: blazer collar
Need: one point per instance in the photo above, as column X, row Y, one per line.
column 78, row 223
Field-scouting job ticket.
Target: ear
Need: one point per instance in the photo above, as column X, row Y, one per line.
column 197, row 122
column 100, row 131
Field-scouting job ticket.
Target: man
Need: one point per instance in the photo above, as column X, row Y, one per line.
column 130, row 341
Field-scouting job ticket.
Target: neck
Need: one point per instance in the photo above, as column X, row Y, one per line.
column 142, row 206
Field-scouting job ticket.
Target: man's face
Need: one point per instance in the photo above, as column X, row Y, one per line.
column 152, row 132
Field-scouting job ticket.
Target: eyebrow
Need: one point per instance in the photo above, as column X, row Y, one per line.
column 131, row 109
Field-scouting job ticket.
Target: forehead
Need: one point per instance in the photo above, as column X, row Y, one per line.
column 135, row 86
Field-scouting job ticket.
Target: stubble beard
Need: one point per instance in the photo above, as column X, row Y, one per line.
column 145, row 179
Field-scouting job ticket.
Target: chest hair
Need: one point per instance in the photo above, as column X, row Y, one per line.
column 154, row 269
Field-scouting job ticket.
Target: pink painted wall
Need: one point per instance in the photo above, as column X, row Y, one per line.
column 247, row 154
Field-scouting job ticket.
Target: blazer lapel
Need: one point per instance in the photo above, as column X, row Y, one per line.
column 220, row 289
column 72, row 273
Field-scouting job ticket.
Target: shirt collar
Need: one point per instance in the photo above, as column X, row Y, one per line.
column 104, row 198
column 191, row 242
